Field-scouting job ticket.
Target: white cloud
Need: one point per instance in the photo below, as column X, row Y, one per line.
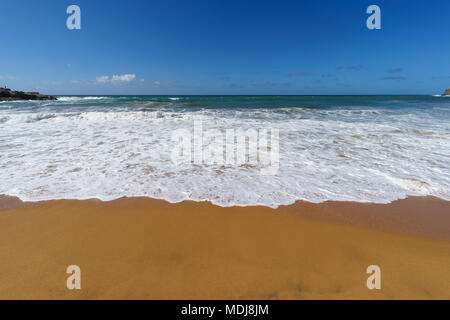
column 116, row 79
column 123, row 78
column 102, row 79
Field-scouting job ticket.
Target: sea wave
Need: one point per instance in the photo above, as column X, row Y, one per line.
column 107, row 151
column 76, row 98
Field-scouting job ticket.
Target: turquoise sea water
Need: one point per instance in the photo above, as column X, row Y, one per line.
column 361, row 148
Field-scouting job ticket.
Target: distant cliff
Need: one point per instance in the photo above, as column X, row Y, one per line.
column 446, row 93
column 10, row 95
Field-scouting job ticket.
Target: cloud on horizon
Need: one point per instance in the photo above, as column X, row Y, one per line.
column 116, row 79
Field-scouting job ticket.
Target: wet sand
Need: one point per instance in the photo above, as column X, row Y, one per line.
column 141, row 248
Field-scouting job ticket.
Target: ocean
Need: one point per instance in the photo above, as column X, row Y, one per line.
column 345, row 148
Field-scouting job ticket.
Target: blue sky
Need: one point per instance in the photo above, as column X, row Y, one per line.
column 225, row 47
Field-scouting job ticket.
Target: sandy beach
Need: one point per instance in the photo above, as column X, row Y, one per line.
column 225, row 150
column 140, row 248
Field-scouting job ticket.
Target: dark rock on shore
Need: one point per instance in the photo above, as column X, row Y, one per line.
column 447, row 92
column 10, row 95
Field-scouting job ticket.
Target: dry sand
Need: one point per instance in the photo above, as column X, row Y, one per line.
column 140, row 248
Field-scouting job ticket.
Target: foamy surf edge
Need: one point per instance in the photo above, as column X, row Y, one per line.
column 228, row 205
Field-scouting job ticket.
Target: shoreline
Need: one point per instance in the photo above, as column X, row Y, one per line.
column 141, row 248
column 399, row 216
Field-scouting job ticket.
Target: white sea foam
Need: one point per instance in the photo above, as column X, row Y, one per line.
column 441, row 96
column 73, row 99
column 358, row 155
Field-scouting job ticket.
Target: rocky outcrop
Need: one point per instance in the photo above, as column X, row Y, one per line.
column 10, row 95
column 447, row 92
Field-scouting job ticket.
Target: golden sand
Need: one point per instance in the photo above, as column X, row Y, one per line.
column 140, row 248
